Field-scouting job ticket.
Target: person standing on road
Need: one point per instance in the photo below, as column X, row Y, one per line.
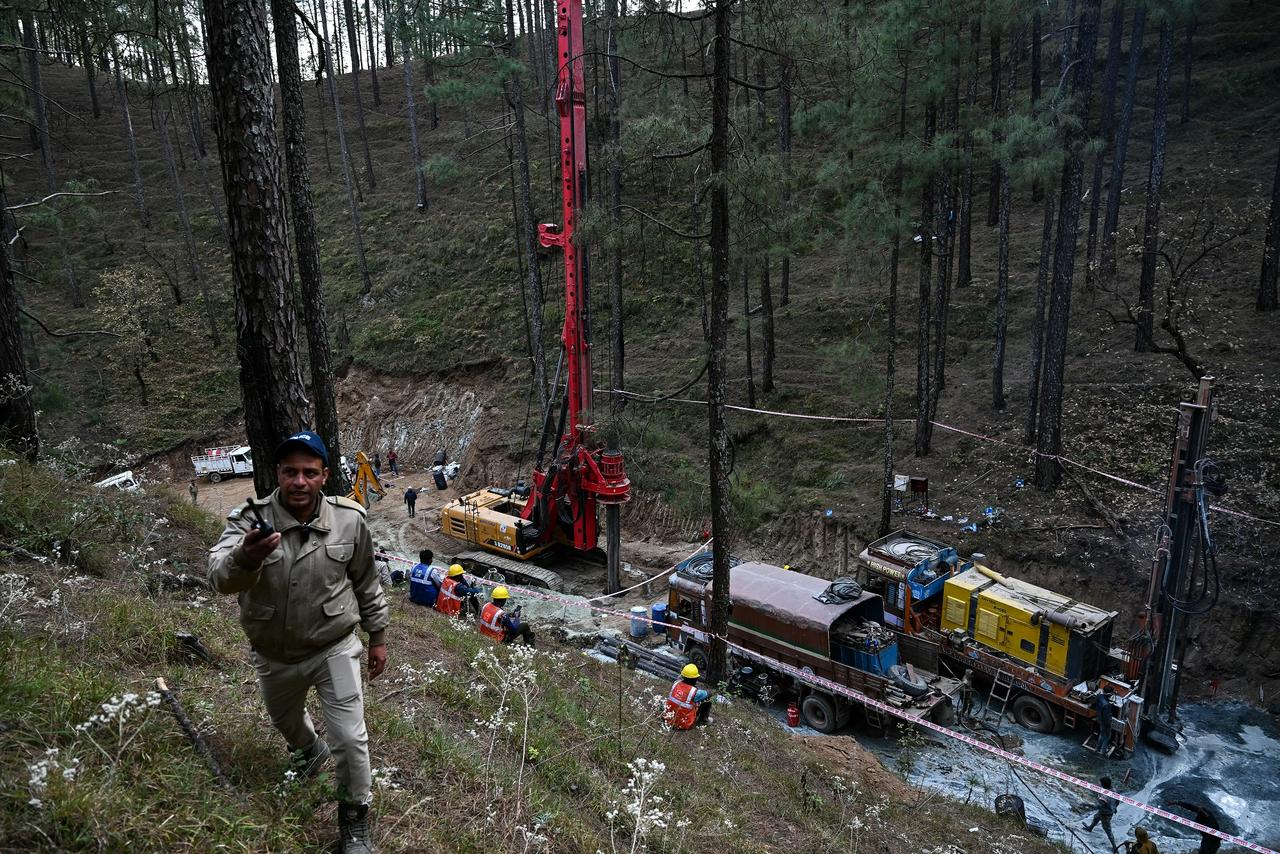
column 193, row 489
column 392, row 460
column 1105, row 812
column 302, row 567
column 411, row 500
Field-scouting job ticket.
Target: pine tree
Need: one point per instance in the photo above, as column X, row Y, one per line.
column 1155, row 181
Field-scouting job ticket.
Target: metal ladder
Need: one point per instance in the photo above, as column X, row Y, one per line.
column 1002, row 691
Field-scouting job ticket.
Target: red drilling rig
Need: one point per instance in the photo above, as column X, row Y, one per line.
column 524, row 521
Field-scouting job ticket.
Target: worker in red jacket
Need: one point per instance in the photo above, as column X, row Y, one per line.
column 454, row 591
column 687, row 704
column 503, row 627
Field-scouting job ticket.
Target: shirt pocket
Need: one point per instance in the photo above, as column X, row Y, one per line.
column 340, row 552
column 258, row 610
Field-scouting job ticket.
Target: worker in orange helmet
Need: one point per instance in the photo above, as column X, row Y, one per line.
column 687, row 704
column 496, row 623
column 454, row 590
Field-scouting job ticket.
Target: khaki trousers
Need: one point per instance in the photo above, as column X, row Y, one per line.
column 335, row 674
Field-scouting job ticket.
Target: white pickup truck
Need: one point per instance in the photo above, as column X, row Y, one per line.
column 217, row 463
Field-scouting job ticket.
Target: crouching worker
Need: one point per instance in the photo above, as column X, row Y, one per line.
column 497, row 623
column 302, row 565
column 455, row 591
column 687, row 704
column 424, row 580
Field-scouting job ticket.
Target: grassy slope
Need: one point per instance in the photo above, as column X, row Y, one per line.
column 451, row 784
column 446, row 292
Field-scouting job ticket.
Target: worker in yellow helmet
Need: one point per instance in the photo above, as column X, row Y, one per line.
column 687, row 704
column 1145, row 845
column 455, row 590
column 502, row 625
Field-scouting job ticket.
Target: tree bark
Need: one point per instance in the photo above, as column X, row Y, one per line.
column 1036, row 361
column 344, row 152
column 993, row 194
column 746, row 324
column 38, row 111
column 1002, row 252
column 123, row 94
column 784, row 149
column 373, row 56
column 617, row 338
column 194, row 266
column 1155, row 181
column 1268, row 295
column 90, row 72
column 1049, row 437
column 306, row 242
column 17, row 415
column 415, row 146
column 1037, row 189
column 1111, row 221
column 353, row 42
column 1106, row 121
column 529, row 226
column 717, row 429
column 964, row 271
column 924, row 430
column 890, row 367
column 275, row 402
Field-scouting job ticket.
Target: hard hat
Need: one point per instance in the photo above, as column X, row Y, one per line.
column 787, row 567
column 456, row 570
column 500, row 592
column 690, row 671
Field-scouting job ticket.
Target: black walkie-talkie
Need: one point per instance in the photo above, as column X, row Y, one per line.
column 259, row 524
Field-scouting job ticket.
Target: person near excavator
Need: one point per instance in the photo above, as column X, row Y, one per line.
column 502, row 625
column 1105, row 811
column 687, row 704
column 456, row 592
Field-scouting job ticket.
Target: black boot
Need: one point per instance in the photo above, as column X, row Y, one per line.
column 353, row 829
column 310, row 761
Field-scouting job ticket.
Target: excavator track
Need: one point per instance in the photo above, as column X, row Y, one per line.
column 527, row 574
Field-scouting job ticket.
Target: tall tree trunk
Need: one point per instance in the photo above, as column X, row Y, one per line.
column 388, row 34
column 122, row 93
column 964, row 271
column 717, row 429
column 1268, row 296
column 1049, row 436
column 766, row 288
column 993, row 193
column 1187, row 56
column 533, row 281
column 1037, row 189
column 194, row 266
column 353, row 42
column 415, row 147
column 1155, row 180
column 344, row 154
column 17, row 415
column 373, row 56
column 924, row 430
column 890, row 367
column 784, row 149
column 1002, row 252
column 617, row 338
column 90, row 72
column 1106, row 120
column 1111, row 221
column 275, row 402
column 38, row 110
column 1036, row 360
column 306, row 242
column 746, row 325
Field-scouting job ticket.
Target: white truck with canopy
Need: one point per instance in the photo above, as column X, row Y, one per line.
column 228, row 461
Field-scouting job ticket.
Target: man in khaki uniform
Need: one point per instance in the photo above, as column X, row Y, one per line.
column 303, row 585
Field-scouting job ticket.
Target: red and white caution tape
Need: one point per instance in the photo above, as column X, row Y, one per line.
column 858, row 697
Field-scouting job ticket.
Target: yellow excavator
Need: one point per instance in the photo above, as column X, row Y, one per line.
column 365, row 486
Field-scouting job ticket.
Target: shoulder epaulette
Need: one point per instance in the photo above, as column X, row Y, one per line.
column 343, row 501
column 238, row 511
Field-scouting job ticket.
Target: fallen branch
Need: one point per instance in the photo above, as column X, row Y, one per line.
column 196, row 739
column 71, row 334
column 1097, row 506
column 54, row 196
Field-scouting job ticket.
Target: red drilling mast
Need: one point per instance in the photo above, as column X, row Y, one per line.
column 566, row 490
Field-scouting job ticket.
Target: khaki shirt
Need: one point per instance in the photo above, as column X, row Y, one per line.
column 311, row 591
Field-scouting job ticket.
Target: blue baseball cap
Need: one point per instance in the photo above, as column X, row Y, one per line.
column 304, row 441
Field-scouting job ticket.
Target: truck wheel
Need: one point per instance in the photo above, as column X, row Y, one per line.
column 1033, row 713
column 902, row 679
column 698, row 658
column 819, row 712
column 215, row 477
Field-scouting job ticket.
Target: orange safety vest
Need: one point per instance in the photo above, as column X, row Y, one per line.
column 682, row 711
column 448, row 602
column 491, row 622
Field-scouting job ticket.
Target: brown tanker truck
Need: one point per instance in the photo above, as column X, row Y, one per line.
column 821, row 629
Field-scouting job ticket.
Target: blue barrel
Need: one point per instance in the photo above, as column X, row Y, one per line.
column 660, row 616
column 639, row 628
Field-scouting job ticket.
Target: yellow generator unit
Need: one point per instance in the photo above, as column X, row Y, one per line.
column 1046, row 630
